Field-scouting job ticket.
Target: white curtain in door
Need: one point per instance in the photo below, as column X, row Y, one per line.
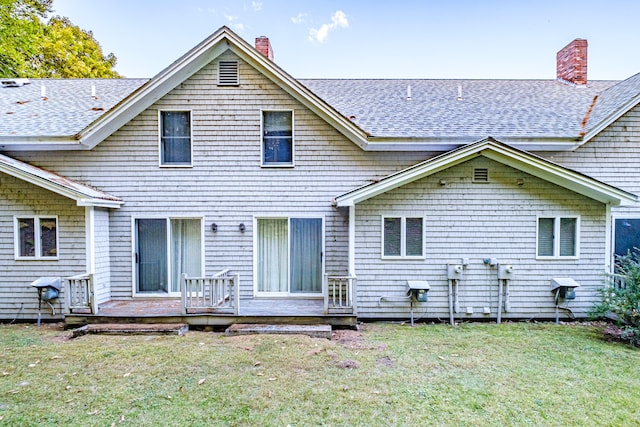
column 306, row 255
column 273, row 256
column 186, row 247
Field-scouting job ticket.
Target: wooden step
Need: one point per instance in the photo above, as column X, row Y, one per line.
column 132, row 328
column 317, row 331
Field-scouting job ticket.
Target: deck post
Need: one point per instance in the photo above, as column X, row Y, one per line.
column 236, row 295
column 183, row 292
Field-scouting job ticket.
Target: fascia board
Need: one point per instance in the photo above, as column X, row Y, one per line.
column 44, row 143
column 151, row 92
column 604, row 123
column 561, row 176
column 538, row 167
column 302, row 94
column 406, row 176
column 80, row 198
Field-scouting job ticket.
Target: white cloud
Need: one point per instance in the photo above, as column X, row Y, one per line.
column 256, row 5
column 236, row 26
column 300, row 18
column 338, row 20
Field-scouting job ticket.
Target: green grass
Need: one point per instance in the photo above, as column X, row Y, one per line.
column 522, row 374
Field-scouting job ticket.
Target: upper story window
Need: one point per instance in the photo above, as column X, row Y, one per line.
column 175, row 138
column 403, row 237
column 558, row 237
column 36, row 237
column 277, row 138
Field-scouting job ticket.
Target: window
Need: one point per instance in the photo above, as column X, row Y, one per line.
column 165, row 248
column 402, row 237
column 175, row 138
column 36, row 237
column 558, row 237
column 289, row 255
column 277, row 138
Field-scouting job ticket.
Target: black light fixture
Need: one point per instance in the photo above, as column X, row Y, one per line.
column 242, row 227
column 214, row 227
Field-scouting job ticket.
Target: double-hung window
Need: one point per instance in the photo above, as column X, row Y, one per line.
column 558, row 237
column 403, row 237
column 277, row 138
column 175, row 138
column 36, row 237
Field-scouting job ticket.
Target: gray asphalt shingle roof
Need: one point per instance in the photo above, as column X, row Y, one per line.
column 503, row 109
column 67, row 109
column 499, row 108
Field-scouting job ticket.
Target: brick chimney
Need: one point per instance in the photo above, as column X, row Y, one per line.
column 571, row 63
column 264, row 47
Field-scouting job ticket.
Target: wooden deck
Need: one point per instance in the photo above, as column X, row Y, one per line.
column 306, row 311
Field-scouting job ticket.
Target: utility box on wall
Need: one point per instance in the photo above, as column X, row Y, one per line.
column 418, row 290
column 564, row 287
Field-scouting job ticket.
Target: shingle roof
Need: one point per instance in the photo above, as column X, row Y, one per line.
column 83, row 194
column 68, row 106
column 501, row 108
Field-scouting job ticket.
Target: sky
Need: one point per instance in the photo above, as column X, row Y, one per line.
column 456, row 39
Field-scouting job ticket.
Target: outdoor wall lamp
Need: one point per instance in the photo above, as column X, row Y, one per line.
column 214, row 227
column 241, row 227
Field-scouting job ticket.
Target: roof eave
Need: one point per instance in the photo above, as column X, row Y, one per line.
column 45, row 143
column 502, row 153
column 442, row 144
column 615, row 115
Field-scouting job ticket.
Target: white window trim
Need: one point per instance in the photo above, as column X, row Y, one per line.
column 403, row 238
column 293, row 140
column 38, row 248
column 175, row 165
column 556, row 241
column 134, row 279
column 261, row 294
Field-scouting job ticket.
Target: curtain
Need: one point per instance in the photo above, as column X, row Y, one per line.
column 545, row 236
column 272, row 255
column 186, row 247
column 567, row 236
column 306, row 255
column 151, row 255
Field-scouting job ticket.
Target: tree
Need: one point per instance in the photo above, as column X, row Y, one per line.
column 68, row 51
column 29, row 47
column 21, row 31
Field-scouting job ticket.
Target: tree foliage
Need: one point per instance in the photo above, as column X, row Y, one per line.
column 621, row 299
column 30, row 46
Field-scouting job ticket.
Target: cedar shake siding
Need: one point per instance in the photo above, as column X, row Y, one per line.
column 226, row 184
column 477, row 221
column 17, row 298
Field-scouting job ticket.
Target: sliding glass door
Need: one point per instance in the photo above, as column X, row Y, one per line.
column 289, row 255
column 165, row 249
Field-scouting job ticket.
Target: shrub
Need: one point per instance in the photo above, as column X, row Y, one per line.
column 620, row 300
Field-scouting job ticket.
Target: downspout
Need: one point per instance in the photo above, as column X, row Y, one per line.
column 90, row 225
column 352, row 256
column 608, row 254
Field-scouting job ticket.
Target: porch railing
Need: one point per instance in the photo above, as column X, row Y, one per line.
column 216, row 294
column 80, row 294
column 338, row 294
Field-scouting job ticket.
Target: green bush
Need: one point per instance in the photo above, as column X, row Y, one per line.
column 620, row 300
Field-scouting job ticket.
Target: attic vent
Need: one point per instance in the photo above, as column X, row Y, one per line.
column 228, row 73
column 481, row 175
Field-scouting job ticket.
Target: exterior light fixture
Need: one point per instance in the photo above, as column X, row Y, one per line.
column 242, row 227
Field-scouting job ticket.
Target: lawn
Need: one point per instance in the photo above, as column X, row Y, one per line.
column 521, row 374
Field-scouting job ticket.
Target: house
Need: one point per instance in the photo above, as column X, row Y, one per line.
column 225, row 190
